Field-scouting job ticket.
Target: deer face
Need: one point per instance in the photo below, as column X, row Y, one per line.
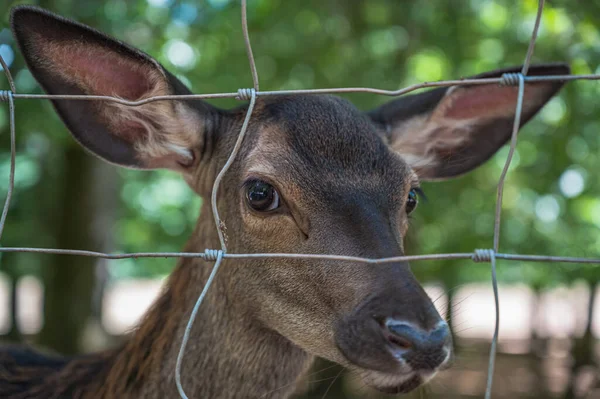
column 315, row 175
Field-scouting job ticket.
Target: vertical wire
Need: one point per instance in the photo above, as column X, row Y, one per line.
column 219, row 259
column 536, row 27
column 513, row 143
column 493, row 347
column 217, row 183
column 511, row 152
column 248, row 45
column 11, row 109
column 190, row 323
column 8, row 75
column 499, row 197
column 11, row 178
column 218, row 222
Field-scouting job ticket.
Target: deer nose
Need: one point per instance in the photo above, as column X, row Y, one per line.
column 422, row 350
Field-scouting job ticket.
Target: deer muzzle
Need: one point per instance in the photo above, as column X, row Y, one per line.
column 396, row 339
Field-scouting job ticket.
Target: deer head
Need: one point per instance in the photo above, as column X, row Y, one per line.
column 315, row 175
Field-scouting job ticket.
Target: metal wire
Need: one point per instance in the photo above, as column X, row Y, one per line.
column 337, row 90
column 218, row 255
column 494, row 345
column 511, row 152
column 354, row 259
column 212, row 254
column 236, row 148
column 490, row 254
column 190, row 323
column 532, row 41
column 13, row 152
column 11, row 82
column 8, row 96
column 509, row 79
column 249, row 52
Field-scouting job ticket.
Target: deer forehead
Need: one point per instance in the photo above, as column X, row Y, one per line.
column 323, row 144
column 261, row 159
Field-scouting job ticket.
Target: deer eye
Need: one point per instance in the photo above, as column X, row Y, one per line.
column 261, row 196
column 411, row 202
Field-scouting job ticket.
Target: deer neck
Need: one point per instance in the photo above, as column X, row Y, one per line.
column 229, row 353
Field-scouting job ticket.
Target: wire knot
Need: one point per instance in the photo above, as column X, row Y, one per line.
column 244, row 94
column 511, row 79
column 5, row 94
column 212, row 254
column 483, row 255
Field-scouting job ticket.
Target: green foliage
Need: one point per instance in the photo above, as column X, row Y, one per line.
column 551, row 203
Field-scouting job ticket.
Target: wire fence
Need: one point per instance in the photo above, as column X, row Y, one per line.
column 217, row 255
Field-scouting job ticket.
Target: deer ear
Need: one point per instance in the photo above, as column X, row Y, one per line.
column 70, row 58
column 446, row 132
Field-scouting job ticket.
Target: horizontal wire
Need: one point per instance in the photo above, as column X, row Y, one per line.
column 339, row 90
column 202, row 255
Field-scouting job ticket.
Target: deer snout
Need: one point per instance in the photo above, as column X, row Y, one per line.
column 396, row 338
column 420, row 349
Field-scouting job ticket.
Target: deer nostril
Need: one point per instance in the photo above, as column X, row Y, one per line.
column 400, row 342
column 403, row 335
column 421, row 349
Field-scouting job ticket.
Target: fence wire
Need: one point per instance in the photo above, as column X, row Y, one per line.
column 243, row 94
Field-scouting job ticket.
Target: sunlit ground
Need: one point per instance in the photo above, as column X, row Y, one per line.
column 559, row 313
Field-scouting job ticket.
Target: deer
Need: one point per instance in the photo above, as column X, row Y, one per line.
column 315, row 175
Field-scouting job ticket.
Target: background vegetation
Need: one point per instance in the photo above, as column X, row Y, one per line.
column 64, row 198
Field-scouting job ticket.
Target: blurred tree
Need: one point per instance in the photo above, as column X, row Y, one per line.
column 81, row 220
column 75, row 202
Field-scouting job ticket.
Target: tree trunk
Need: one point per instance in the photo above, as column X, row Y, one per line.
column 80, row 224
column 14, row 334
column 539, row 347
column 583, row 349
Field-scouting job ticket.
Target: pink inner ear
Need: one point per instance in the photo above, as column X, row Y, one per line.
column 102, row 72
column 486, row 101
column 480, row 101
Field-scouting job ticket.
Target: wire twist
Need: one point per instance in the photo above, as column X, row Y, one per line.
column 483, row 255
column 244, row 94
column 510, row 79
column 212, row 254
column 5, row 95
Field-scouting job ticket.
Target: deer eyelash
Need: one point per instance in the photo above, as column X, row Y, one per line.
column 420, row 194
